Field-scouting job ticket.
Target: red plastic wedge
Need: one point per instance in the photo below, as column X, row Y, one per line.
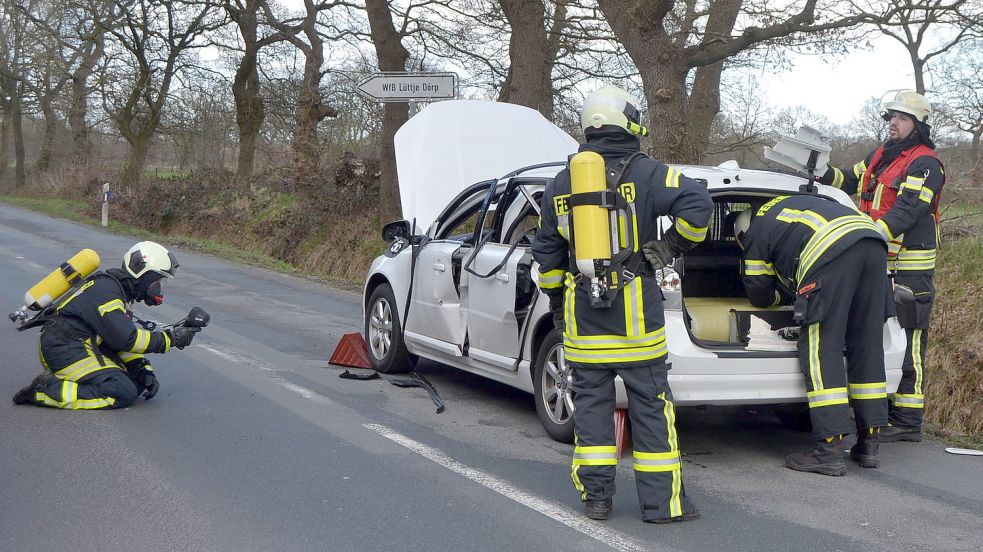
column 621, row 437
column 351, row 351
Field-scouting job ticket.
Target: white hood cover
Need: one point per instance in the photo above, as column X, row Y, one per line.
column 451, row 145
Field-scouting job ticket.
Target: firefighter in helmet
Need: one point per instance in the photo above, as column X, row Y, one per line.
column 830, row 258
column 626, row 336
column 91, row 351
column 900, row 185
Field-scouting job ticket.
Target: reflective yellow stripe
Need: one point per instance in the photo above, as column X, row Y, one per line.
column 604, row 455
column 672, row 177
column 552, row 279
column 141, row 342
column 858, row 170
column 912, row 183
column 692, row 233
column 926, row 195
column 827, row 236
column 656, row 461
column 868, row 390
column 877, row 196
column 838, row 178
column 675, row 500
column 815, row 371
column 883, row 228
column 915, row 259
column 608, row 341
column 110, row 306
column 912, row 400
column 70, row 401
column 601, row 356
column 916, row 359
column 634, row 315
column 755, row 267
column 828, row 397
column 767, row 206
column 84, row 287
column 808, row 218
column 127, row 356
column 574, row 475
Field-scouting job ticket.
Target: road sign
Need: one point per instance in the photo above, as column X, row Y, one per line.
column 409, row 87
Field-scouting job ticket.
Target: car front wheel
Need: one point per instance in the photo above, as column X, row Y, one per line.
column 383, row 333
column 552, row 388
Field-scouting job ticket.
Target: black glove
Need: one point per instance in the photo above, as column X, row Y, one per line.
column 181, row 337
column 150, row 384
column 658, row 253
column 556, row 307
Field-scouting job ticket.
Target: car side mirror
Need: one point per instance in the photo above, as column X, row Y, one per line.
column 396, row 229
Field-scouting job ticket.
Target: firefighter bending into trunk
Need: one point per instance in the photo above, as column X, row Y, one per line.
column 900, row 184
column 92, row 352
column 609, row 309
column 831, row 259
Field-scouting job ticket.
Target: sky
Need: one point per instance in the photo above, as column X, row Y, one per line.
column 838, row 88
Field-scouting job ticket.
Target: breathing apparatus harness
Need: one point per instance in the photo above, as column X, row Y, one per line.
column 605, row 275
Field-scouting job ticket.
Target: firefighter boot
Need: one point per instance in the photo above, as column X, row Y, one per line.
column 865, row 452
column 598, row 509
column 826, row 457
column 38, row 384
column 894, row 433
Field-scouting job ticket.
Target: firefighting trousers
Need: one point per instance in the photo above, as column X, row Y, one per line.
column 83, row 380
column 908, row 404
column 658, row 470
column 845, row 311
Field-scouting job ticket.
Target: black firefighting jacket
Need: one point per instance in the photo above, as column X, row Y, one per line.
column 91, row 331
column 791, row 237
column 631, row 331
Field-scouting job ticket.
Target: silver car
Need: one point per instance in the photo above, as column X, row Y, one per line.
column 458, row 282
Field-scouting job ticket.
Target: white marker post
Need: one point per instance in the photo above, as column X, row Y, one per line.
column 106, row 194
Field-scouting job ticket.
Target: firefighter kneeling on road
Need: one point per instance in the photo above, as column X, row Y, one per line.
column 92, row 352
column 831, row 259
column 609, row 307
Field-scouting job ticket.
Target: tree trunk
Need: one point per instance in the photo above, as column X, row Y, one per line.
column 76, row 119
column 43, row 162
column 5, row 139
column 139, row 148
column 250, row 110
column 918, row 65
column 525, row 83
column 977, row 149
column 665, row 92
column 392, row 57
column 17, row 130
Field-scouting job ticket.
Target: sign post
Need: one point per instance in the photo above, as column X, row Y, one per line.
column 106, row 194
column 409, row 87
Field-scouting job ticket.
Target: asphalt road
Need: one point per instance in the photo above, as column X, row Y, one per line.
column 255, row 444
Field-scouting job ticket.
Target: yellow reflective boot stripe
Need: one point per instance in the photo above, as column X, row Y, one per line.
column 595, row 456
column 656, row 461
column 828, row 397
column 815, row 368
column 552, row 279
column 916, row 359
column 859, row 391
column 909, row 400
column 574, row 476
column 755, row 267
column 692, row 233
column 675, row 499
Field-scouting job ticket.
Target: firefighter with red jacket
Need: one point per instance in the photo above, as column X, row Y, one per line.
column 626, row 337
column 900, row 185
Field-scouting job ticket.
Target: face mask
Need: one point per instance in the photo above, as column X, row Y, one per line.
column 152, row 294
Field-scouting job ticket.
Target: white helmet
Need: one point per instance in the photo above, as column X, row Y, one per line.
column 911, row 103
column 741, row 225
column 610, row 105
column 148, row 256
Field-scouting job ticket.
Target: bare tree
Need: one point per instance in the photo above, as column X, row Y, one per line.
column 157, row 38
column 667, row 40
column 933, row 25
column 961, row 93
column 13, row 64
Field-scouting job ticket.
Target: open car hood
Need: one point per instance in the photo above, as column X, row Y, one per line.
column 450, row 145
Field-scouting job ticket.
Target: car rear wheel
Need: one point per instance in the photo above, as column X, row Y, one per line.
column 552, row 389
column 383, row 333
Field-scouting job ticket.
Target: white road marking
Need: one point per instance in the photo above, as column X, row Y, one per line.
column 576, row 521
column 303, row 392
column 219, row 352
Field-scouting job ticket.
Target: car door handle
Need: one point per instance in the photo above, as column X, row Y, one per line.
column 439, row 267
column 502, row 277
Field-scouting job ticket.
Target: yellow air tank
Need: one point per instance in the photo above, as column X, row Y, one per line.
column 591, row 223
column 53, row 285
